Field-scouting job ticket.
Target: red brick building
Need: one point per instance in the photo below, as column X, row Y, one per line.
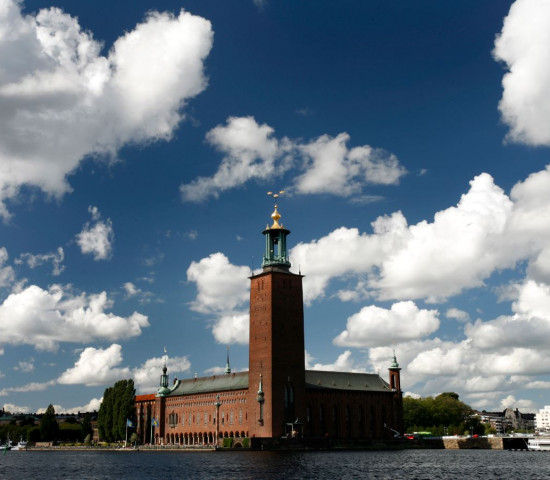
column 277, row 397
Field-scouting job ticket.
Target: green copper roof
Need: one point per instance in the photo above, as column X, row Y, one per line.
column 315, row 379
column 216, row 383
column 363, row 382
column 394, row 363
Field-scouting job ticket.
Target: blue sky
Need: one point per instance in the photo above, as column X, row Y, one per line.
column 138, row 141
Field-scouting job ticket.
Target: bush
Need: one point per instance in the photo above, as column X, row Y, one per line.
column 246, row 442
column 227, row 443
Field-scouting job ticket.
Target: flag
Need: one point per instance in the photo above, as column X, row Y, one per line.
column 155, row 422
column 129, row 423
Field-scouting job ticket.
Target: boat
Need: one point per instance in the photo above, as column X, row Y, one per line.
column 21, row 445
column 539, row 444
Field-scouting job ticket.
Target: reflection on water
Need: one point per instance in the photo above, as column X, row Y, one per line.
column 406, row 464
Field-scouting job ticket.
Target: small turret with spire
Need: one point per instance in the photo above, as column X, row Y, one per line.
column 395, row 376
column 227, row 366
column 275, row 256
column 163, row 389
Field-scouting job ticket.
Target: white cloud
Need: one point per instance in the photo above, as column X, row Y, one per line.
column 29, row 387
column 375, row 326
column 146, row 376
column 44, row 318
column 33, row 261
column 457, row 314
column 92, row 406
column 96, row 367
column 10, row 407
column 26, row 367
column 55, row 84
column 230, row 329
column 223, row 289
column 527, row 328
column 250, row 153
column 96, row 237
column 221, row 285
column 460, row 249
column 7, row 275
column 511, row 402
column 130, row 289
column 521, row 45
column 326, row 164
column 143, row 296
column 332, row 168
column 344, row 363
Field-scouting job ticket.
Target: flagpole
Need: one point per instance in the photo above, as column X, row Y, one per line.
column 151, row 438
column 126, row 444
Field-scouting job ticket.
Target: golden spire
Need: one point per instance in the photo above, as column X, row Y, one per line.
column 276, row 215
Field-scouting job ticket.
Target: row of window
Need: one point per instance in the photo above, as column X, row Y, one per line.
column 207, row 418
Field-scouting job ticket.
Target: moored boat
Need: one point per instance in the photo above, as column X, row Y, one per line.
column 21, row 445
column 539, row 444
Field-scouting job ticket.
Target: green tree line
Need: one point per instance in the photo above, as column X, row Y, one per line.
column 47, row 429
column 442, row 415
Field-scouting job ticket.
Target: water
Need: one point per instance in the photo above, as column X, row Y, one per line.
column 395, row 465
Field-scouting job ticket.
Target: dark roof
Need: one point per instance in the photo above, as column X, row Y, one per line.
column 363, row 382
column 216, row 383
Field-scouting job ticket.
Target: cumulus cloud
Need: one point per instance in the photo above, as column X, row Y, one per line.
column 92, row 406
column 33, row 261
column 146, row 375
column 10, row 407
column 457, row 314
column 221, row 285
column 222, row 291
column 375, row 326
column 344, row 363
column 7, row 275
column 97, row 236
column 44, row 318
column 326, row 164
column 97, row 366
column 460, row 249
column 250, row 153
column 521, row 45
column 332, row 168
column 527, row 328
column 229, row 329
column 56, row 85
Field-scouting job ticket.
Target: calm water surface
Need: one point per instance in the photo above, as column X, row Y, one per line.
column 407, row 464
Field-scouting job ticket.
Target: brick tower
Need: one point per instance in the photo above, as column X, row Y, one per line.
column 276, row 402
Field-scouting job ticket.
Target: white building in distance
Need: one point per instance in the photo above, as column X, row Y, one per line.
column 542, row 419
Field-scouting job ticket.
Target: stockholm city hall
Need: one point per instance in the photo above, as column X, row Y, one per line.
column 277, row 397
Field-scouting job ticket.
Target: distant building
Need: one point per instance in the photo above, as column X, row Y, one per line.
column 542, row 419
column 276, row 397
column 508, row 420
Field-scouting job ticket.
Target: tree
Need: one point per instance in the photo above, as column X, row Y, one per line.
column 445, row 411
column 48, row 425
column 87, row 429
column 116, row 408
